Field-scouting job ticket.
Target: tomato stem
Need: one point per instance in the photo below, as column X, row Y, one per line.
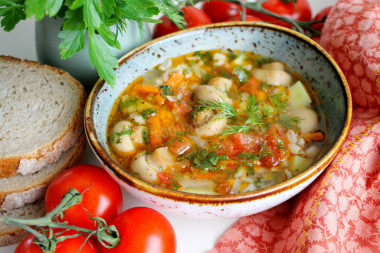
column 108, row 236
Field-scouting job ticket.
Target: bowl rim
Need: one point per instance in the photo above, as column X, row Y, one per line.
column 156, row 190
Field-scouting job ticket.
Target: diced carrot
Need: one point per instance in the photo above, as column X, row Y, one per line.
column 251, row 86
column 160, row 100
column 315, row 136
column 155, row 130
column 146, row 89
column 175, row 79
column 223, row 188
column 202, row 174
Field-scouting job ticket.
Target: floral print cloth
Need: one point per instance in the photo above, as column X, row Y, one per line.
column 340, row 211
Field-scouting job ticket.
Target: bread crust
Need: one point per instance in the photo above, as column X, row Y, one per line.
column 34, row 191
column 49, row 152
column 13, row 234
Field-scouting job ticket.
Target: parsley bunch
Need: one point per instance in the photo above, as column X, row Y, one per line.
column 91, row 17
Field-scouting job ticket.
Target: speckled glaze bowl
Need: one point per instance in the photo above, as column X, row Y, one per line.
column 297, row 51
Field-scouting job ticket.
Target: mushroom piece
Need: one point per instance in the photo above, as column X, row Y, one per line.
column 148, row 165
column 202, row 117
column 221, row 83
column 121, row 134
column 273, row 76
column 308, row 118
column 210, row 93
column 213, row 126
column 274, row 65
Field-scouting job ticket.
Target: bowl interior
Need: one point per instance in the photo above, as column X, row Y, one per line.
column 305, row 57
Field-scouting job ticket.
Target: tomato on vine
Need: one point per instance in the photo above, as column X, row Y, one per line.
column 69, row 245
column 295, row 9
column 193, row 16
column 102, row 196
column 143, row 230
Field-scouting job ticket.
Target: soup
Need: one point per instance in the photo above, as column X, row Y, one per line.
column 217, row 122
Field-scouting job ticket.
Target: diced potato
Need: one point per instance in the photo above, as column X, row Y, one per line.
column 298, row 95
column 300, row 164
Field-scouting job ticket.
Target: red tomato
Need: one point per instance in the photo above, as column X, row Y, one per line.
column 70, row 245
column 320, row 15
column 300, row 11
column 247, row 18
column 193, row 16
column 102, row 196
column 273, row 153
column 143, row 230
column 220, row 11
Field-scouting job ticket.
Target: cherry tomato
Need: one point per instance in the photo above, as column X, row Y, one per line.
column 102, row 196
column 220, row 11
column 299, row 11
column 143, row 230
column 193, row 16
column 70, row 245
column 320, row 15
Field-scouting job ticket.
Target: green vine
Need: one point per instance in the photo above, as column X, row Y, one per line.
column 46, row 239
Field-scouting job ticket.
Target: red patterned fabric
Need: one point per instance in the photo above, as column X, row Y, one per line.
column 340, row 211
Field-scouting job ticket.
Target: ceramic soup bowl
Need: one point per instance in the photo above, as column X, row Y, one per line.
column 299, row 52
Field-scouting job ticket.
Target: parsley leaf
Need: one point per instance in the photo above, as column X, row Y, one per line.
column 12, row 12
column 72, row 42
column 103, row 58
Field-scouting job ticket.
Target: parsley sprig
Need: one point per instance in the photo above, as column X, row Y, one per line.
column 93, row 18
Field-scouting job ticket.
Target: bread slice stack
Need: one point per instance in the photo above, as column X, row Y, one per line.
column 41, row 135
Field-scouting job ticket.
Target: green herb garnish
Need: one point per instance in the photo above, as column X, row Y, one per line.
column 205, row 160
column 129, row 102
column 241, row 73
column 115, row 137
column 205, row 56
column 148, row 112
column 145, row 136
column 165, row 90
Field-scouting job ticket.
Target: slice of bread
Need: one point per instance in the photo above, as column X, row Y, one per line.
column 11, row 234
column 41, row 115
column 19, row 190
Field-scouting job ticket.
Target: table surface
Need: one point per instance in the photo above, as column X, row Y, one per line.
column 193, row 235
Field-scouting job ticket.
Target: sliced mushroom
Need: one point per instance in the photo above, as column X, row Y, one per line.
column 148, row 165
column 210, row 93
column 308, row 118
column 121, row 134
column 274, row 65
column 202, row 117
column 141, row 166
column 161, row 157
column 221, row 83
column 213, row 126
column 273, row 76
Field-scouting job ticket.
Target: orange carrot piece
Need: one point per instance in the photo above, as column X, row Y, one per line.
column 175, row 79
column 315, row 136
column 155, row 130
column 160, row 100
column 146, row 89
column 251, row 86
